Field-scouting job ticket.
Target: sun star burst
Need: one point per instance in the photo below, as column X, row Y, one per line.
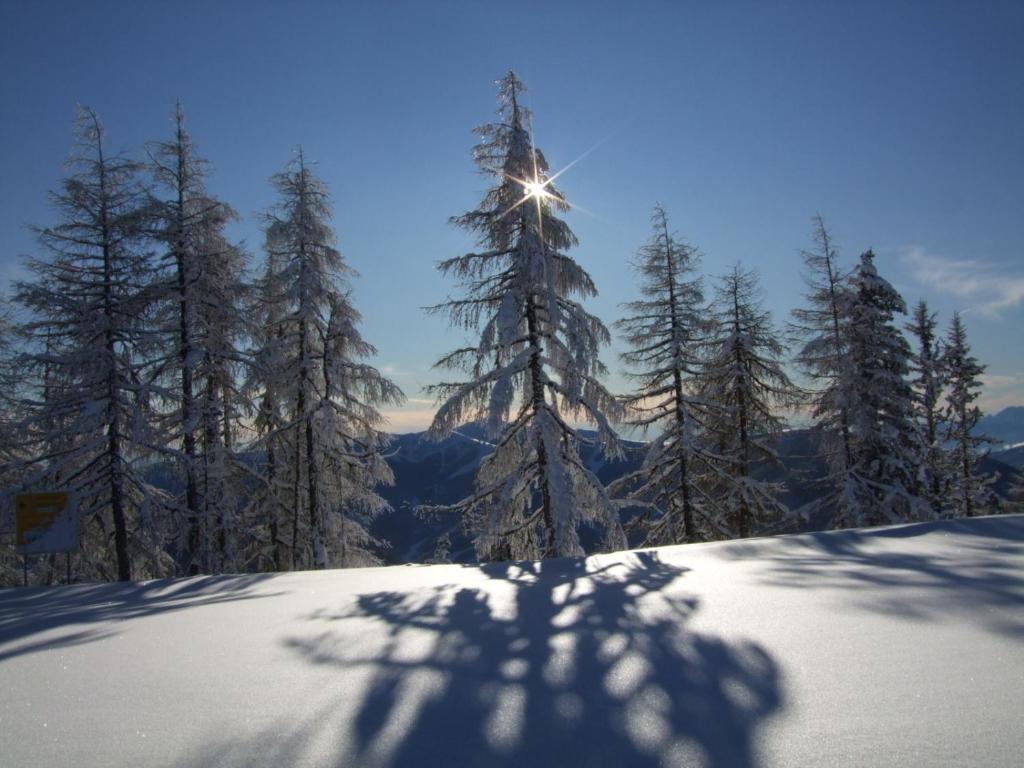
column 536, row 188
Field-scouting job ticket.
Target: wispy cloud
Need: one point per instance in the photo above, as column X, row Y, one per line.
column 414, row 416
column 984, row 287
column 1001, row 391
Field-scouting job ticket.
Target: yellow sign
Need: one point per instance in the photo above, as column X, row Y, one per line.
column 45, row 522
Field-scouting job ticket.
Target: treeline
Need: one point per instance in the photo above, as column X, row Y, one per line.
column 894, row 421
column 143, row 339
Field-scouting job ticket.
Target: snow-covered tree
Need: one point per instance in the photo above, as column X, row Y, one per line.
column 968, row 491
column 201, row 321
column 745, row 386
column 87, row 303
column 928, row 382
column 820, row 329
column 881, row 485
column 269, row 391
column 536, row 362
column 325, row 398
column 221, row 400
column 665, row 332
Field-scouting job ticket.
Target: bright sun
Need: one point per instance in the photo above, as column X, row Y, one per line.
column 535, row 189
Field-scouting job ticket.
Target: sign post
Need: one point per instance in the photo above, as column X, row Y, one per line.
column 46, row 522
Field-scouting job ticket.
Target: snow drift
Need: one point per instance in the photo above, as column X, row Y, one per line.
column 881, row 647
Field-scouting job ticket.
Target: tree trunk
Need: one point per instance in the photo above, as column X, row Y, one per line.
column 844, row 418
column 539, row 403
column 677, row 378
column 741, row 412
column 273, row 507
column 197, row 541
column 296, row 485
column 316, row 531
column 114, row 450
column 965, row 461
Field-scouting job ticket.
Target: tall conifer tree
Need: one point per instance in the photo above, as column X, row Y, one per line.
column 820, row 329
column 666, row 331
column 536, row 362
column 968, row 490
column 928, row 383
column 746, row 386
column 312, row 374
column 200, row 298
column 88, row 342
column 882, row 484
column 270, row 499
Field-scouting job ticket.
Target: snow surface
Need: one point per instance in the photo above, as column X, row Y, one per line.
column 899, row 646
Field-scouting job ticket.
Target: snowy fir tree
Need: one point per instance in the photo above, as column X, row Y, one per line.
column 325, row 427
column 745, row 386
column 222, row 405
column 820, row 330
column 88, row 415
column 536, row 362
column 665, row 332
column 270, row 500
column 200, row 319
column 881, row 486
column 928, row 382
column 968, row 492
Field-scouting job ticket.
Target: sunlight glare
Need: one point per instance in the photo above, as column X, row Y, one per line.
column 536, row 189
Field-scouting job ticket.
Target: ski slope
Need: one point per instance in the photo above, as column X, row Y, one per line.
column 900, row 646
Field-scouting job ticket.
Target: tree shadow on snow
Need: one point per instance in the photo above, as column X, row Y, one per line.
column 561, row 663
column 29, row 618
column 980, row 579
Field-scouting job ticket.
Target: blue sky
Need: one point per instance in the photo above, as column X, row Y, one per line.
column 901, row 123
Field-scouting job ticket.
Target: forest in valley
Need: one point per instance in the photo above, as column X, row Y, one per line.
column 146, row 341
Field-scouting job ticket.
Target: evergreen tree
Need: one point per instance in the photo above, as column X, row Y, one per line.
column 665, row 332
column 222, row 403
column 312, row 373
column 88, row 418
column 928, row 382
column 881, row 486
column 202, row 322
column 536, row 362
column 968, row 491
column 269, row 391
column 746, row 386
column 821, row 330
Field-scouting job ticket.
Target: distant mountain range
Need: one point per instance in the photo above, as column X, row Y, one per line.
column 1007, row 428
column 428, row 471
